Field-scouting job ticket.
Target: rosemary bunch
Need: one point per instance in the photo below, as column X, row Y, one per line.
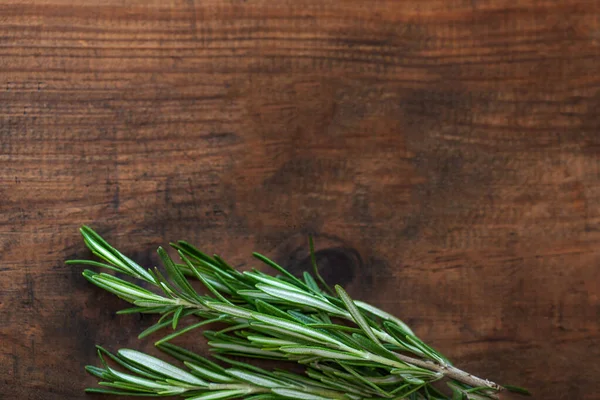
column 350, row 349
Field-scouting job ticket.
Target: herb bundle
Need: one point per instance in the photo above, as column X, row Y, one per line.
column 350, row 350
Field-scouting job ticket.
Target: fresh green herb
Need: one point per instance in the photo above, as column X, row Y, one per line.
column 351, row 350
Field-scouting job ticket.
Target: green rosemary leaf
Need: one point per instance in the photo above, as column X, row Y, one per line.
column 93, row 264
column 334, row 327
column 186, row 386
column 281, row 270
column 383, row 315
column 284, row 333
column 188, row 328
column 362, row 379
column 331, row 382
column 225, row 266
column 208, row 374
column 428, row 351
column 110, row 254
column 229, row 309
column 295, row 380
column 324, row 317
column 408, row 378
column 517, row 389
column 219, row 283
column 269, row 341
column 313, row 260
column 458, row 395
column 153, row 303
column 160, row 367
column 95, row 371
column 192, row 251
column 266, row 308
column 404, row 391
column 214, row 272
column 259, row 277
column 232, row 348
column 357, row 315
column 299, row 298
column 311, row 283
column 126, row 287
column 138, row 370
column 255, row 379
column 128, row 386
column 302, row 318
column 143, row 310
column 118, row 392
column 228, row 285
column 100, row 247
column 177, row 315
column 180, row 353
column 163, row 283
column 231, row 329
column 345, row 338
column 159, row 325
column 481, row 389
column 258, row 295
column 320, row 352
column 241, row 364
column 297, row 394
column 177, row 276
column 400, row 336
column 201, row 278
column 293, row 327
column 221, row 394
column 415, row 371
column 379, row 380
column 218, row 337
column 123, row 288
column 90, row 276
column 373, row 347
column 144, row 383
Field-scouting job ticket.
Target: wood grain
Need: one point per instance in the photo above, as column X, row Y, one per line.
column 445, row 154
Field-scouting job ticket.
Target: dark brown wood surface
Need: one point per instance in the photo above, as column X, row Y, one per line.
column 445, row 153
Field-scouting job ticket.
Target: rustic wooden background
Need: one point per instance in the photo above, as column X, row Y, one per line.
column 446, row 153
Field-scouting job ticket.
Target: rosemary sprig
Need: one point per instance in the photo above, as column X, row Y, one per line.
column 203, row 379
column 351, row 350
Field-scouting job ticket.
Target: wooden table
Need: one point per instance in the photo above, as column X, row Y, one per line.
column 445, row 153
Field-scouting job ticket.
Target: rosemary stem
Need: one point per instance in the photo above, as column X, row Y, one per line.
column 451, row 372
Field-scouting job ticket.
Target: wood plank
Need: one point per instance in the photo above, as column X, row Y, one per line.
column 445, row 153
